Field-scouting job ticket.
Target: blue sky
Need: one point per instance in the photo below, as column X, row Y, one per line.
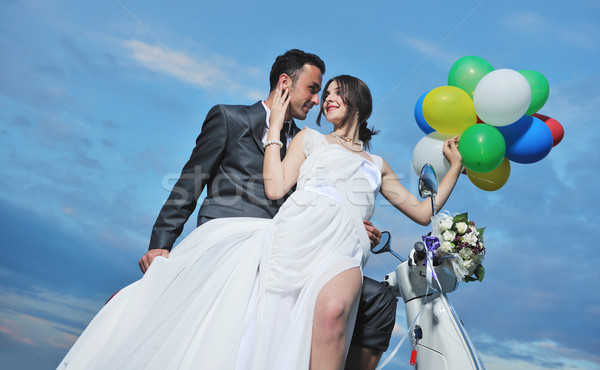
column 100, row 104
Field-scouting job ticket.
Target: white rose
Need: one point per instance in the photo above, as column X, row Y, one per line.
column 461, row 227
column 449, row 235
column 446, row 224
column 447, row 247
column 470, row 266
column 466, row 254
column 470, row 239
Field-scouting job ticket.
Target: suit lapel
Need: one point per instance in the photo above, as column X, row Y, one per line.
column 257, row 117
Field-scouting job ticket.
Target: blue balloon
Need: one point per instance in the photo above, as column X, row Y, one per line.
column 528, row 140
column 423, row 125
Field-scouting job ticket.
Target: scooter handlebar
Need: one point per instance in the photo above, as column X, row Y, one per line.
column 420, row 251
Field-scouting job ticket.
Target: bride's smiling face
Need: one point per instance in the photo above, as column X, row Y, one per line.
column 334, row 107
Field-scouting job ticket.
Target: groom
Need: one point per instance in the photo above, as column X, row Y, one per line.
column 228, row 159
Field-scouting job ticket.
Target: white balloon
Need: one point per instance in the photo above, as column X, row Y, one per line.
column 430, row 150
column 502, row 97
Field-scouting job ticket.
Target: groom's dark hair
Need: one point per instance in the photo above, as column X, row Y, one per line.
column 291, row 63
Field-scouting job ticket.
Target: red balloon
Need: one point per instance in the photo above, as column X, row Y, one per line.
column 558, row 132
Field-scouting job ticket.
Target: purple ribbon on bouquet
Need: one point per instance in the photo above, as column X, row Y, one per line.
column 432, row 244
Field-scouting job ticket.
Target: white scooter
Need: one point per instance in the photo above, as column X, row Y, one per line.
column 438, row 339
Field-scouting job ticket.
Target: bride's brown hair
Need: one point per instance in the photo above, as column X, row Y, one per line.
column 357, row 97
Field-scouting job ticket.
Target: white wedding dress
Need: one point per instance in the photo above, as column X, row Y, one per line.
column 239, row 293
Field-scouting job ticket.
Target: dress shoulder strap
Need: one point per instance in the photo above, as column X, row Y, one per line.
column 378, row 161
column 313, row 139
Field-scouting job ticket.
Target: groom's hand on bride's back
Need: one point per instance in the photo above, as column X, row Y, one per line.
column 373, row 232
column 147, row 259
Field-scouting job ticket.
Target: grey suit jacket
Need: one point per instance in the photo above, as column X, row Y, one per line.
column 228, row 160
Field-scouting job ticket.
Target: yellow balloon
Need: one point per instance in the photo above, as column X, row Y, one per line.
column 449, row 109
column 493, row 180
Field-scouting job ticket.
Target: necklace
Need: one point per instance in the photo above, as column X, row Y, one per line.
column 341, row 137
column 343, row 140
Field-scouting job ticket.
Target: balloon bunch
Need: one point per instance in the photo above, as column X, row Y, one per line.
column 494, row 112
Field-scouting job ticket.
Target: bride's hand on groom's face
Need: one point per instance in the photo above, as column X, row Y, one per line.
column 280, row 106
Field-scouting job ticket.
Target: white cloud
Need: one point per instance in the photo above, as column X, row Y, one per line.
column 175, row 64
column 503, row 354
column 526, row 19
column 426, row 47
column 212, row 72
column 44, row 318
column 256, row 94
column 581, row 34
column 574, row 105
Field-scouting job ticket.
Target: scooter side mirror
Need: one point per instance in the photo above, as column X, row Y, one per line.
column 385, row 245
column 428, row 185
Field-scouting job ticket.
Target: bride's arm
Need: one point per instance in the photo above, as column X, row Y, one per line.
column 407, row 203
column 280, row 176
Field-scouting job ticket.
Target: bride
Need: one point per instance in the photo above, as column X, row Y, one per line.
column 240, row 293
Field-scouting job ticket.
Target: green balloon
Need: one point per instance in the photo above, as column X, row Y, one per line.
column 540, row 89
column 466, row 72
column 482, row 148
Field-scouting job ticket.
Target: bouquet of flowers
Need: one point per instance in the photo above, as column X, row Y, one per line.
column 461, row 247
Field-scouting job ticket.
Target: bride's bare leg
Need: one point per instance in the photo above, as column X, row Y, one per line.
column 332, row 309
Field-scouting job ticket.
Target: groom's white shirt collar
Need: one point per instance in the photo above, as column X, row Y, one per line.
column 266, row 131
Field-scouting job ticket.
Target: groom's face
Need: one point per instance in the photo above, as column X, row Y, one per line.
column 304, row 94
